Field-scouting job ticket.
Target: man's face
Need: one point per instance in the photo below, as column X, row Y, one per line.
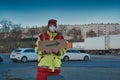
column 52, row 27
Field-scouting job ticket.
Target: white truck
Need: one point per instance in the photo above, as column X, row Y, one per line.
column 115, row 42
column 103, row 44
column 78, row 45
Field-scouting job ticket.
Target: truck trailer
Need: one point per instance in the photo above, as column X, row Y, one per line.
column 99, row 45
column 103, row 44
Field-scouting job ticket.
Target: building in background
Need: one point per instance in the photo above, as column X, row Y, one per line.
column 98, row 30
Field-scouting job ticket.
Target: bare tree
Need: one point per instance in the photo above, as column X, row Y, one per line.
column 5, row 28
column 75, row 34
column 62, row 29
column 91, row 33
column 10, row 34
column 16, row 33
column 43, row 29
column 32, row 31
column 1, row 35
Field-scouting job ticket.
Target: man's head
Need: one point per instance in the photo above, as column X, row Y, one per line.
column 52, row 25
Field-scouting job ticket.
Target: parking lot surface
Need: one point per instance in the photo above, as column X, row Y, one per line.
column 105, row 67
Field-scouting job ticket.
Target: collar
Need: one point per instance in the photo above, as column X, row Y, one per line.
column 51, row 33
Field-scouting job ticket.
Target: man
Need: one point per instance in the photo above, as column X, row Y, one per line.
column 49, row 61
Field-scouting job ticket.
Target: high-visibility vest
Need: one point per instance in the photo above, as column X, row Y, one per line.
column 50, row 60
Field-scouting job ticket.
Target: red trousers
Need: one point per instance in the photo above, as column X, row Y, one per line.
column 43, row 73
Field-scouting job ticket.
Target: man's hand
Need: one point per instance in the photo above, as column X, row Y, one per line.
column 55, row 51
column 47, row 51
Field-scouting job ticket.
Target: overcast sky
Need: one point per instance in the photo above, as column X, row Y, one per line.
column 38, row 12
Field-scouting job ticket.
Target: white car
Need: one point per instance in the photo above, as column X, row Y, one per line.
column 75, row 55
column 23, row 55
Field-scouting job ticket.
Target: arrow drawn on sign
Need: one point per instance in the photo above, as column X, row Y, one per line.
column 54, row 44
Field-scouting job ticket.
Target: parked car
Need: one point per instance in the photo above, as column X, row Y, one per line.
column 1, row 58
column 23, row 55
column 75, row 55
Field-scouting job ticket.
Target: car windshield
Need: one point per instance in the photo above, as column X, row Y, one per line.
column 73, row 51
column 69, row 51
column 17, row 50
column 29, row 50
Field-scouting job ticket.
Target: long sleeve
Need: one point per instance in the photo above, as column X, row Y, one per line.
column 37, row 46
column 62, row 51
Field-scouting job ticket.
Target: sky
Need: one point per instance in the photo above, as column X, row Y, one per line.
column 38, row 12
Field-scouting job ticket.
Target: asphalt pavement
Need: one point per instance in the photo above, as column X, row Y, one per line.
column 105, row 67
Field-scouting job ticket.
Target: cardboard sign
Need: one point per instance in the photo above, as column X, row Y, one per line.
column 47, row 44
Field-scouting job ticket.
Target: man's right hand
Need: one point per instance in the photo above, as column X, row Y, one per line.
column 47, row 51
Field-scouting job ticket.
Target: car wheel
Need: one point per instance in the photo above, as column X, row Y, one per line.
column 15, row 61
column 66, row 58
column 86, row 58
column 24, row 59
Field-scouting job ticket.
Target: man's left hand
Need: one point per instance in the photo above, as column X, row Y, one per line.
column 55, row 51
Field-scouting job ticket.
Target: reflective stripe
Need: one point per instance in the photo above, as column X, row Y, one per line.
column 52, row 35
column 40, row 59
column 43, row 36
column 48, row 67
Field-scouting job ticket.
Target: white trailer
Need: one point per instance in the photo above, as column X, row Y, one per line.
column 103, row 44
column 78, row 45
column 115, row 42
column 95, row 43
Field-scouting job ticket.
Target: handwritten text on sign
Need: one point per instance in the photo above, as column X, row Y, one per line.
column 47, row 44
